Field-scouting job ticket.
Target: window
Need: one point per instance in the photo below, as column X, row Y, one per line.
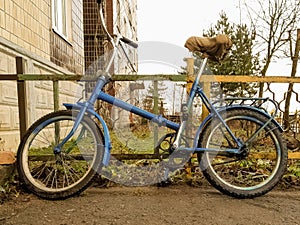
column 60, row 17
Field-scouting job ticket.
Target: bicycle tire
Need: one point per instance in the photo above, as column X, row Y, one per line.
column 59, row 176
column 251, row 176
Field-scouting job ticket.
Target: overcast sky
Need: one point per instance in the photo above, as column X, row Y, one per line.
column 173, row 21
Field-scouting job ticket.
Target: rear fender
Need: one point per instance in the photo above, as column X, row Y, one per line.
column 233, row 107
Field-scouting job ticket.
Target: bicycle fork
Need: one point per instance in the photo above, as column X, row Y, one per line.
column 103, row 80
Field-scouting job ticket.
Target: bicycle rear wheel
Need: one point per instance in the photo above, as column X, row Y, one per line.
column 58, row 176
column 259, row 170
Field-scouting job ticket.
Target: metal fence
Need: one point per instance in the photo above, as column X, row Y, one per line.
column 272, row 92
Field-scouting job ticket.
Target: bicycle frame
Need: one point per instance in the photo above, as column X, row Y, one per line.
column 98, row 94
column 87, row 107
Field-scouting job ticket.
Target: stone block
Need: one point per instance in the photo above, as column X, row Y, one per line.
column 7, row 166
column 7, row 158
column 6, row 172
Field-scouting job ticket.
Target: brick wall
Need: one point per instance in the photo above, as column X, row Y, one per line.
column 26, row 31
column 69, row 53
column 26, row 23
column 124, row 21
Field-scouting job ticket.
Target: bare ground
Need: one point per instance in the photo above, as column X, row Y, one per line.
column 177, row 204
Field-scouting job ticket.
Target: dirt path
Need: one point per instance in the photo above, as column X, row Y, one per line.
column 151, row 205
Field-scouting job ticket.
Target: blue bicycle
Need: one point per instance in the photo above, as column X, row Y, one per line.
column 240, row 147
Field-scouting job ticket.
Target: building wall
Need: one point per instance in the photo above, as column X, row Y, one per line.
column 69, row 53
column 26, row 31
column 125, row 22
column 120, row 17
column 27, row 23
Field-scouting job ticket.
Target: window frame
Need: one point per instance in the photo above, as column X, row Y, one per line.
column 61, row 18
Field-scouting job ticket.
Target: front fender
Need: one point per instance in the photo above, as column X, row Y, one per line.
column 233, row 107
column 107, row 142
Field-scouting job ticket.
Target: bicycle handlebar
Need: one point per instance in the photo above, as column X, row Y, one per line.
column 129, row 42
column 122, row 38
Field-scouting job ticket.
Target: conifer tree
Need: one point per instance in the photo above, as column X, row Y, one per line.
column 240, row 60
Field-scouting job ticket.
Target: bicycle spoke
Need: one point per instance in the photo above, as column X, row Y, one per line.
column 46, row 180
column 39, row 172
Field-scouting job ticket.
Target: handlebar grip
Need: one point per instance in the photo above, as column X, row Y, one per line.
column 129, row 42
column 99, row 1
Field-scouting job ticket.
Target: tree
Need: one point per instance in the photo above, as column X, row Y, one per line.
column 152, row 101
column 241, row 59
column 295, row 58
column 273, row 20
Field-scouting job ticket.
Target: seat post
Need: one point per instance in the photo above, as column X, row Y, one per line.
column 203, row 65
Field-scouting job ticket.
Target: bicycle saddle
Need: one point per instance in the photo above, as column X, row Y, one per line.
column 215, row 48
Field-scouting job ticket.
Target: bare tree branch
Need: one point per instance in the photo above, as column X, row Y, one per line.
column 272, row 20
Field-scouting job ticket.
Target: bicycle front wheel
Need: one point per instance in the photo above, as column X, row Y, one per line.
column 259, row 170
column 64, row 174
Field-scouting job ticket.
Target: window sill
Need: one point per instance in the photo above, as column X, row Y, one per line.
column 62, row 36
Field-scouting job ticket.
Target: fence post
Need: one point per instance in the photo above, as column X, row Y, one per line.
column 296, row 124
column 56, row 95
column 190, row 73
column 22, row 97
column 155, row 110
column 190, row 80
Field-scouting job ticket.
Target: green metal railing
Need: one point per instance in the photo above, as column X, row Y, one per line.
column 22, row 78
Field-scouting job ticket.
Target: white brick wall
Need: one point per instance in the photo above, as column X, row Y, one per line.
column 25, row 31
column 39, row 93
